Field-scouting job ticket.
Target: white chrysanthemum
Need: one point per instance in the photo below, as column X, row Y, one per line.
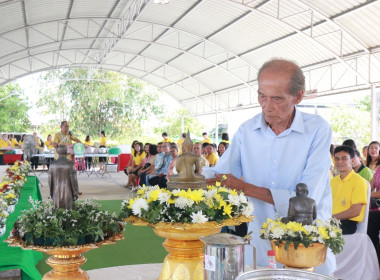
column 234, row 199
column 163, row 197
column 181, row 202
column 243, row 198
column 176, row 191
column 332, row 234
column 210, row 194
column 278, row 233
column 247, row 210
column 310, row 229
column 139, row 204
column 198, row 218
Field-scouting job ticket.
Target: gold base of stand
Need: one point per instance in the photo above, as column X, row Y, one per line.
column 185, row 258
column 65, row 261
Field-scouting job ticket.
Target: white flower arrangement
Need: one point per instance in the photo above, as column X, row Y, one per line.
column 156, row 205
column 328, row 233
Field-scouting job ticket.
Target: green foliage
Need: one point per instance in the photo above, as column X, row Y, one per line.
column 350, row 122
column 45, row 225
column 118, row 107
column 174, row 124
column 13, row 109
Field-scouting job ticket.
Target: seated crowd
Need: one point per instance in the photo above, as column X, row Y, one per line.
column 351, row 176
column 153, row 164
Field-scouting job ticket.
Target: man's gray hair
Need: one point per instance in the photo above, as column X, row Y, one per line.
column 297, row 78
column 63, row 122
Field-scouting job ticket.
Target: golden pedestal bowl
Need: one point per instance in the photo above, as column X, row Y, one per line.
column 302, row 257
column 65, row 260
column 185, row 258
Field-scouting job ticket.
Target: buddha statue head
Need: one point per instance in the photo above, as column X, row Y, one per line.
column 187, row 145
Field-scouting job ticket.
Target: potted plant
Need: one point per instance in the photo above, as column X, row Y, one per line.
column 65, row 234
column 182, row 216
column 303, row 246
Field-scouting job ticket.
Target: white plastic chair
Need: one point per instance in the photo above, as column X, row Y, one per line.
column 358, row 260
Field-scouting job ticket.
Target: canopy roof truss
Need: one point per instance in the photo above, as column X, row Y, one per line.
column 204, row 53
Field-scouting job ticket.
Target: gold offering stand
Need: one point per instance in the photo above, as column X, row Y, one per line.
column 65, row 260
column 185, row 258
column 301, row 258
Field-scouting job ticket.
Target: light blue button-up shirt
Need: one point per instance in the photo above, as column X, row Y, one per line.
column 300, row 154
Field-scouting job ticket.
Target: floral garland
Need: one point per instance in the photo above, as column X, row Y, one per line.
column 328, row 233
column 186, row 206
column 10, row 188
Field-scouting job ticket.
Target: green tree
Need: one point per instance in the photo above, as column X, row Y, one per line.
column 13, row 109
column 174, row 124
column 351, row 122
column 106, row 101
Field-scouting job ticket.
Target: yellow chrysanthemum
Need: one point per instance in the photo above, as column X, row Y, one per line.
column 153, row 195
column 131, row 202
column 323, row 231
column 217, row 184
column 233, row 192
column 171, row 201
column 227, row 210
column 197, row 196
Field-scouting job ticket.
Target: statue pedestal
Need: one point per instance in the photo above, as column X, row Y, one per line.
column 186, row 185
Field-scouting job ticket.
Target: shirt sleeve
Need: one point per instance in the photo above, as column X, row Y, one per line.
column 359, row 193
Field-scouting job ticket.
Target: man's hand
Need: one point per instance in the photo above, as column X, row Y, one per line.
column 227, row 180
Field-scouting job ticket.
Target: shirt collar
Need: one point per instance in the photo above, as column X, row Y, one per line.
column 348, row 177
column 297, row 124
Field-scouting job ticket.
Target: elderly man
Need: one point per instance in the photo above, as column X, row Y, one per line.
column 276, row 150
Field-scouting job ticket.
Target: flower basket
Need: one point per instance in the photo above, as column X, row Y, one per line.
column 3, row 229
column 302, row 257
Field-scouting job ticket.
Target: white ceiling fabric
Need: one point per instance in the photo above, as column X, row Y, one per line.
column 204, row 53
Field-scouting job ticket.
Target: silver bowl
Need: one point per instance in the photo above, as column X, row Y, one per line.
column 282, row 274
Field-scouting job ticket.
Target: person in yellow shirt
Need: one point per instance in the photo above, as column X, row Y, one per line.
column 5, row 144
column 211, row 156
column 226, row 138
column 179, row 143
column 13, row 140
column 349, row 191
column 49, row 142
column 21, row 141
column 49, row 145
column 137, row 164
column 205, row 138
column 102, row 144
column 166, row 138
column 65, row 137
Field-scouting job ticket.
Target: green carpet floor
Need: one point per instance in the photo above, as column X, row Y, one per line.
column 140, row 246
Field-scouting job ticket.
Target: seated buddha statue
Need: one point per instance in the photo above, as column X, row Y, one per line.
column 187, row 166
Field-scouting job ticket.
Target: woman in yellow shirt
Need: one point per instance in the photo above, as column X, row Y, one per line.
column 48, row 143
column 13, row 140
column 88, row 143
column 138, row 156
column 102, row 144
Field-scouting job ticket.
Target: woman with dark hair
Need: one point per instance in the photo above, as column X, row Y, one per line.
column 102, row 144
column 87, row 143
column 226, row 138
column 138, row 156
column 222, row 147
column 148, row 164
column 373, row 155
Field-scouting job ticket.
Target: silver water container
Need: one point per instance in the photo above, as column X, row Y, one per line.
column 224, row 256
